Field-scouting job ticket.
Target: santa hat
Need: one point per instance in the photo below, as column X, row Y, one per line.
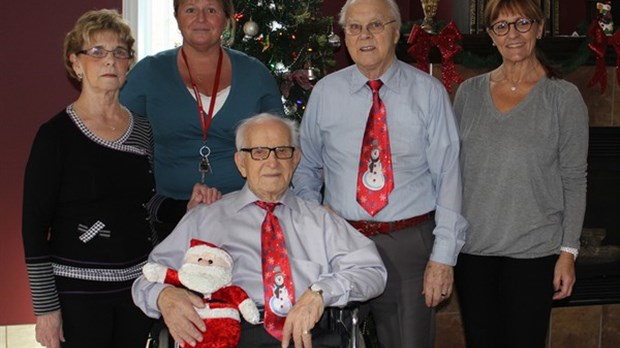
column 199, row 247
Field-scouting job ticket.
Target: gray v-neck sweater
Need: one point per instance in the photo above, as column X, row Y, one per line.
column 524, row 171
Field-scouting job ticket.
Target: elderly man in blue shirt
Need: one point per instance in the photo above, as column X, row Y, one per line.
column 419, row 229
column 331, row 263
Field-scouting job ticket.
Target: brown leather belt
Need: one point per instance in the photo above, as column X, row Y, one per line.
column 372, row 228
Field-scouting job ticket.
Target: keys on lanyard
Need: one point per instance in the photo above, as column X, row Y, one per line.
column 204, row 167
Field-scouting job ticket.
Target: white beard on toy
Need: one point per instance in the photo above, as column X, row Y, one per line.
column 204, row 279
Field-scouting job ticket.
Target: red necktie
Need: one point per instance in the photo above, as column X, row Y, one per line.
column 375, row 179
column 277, row 277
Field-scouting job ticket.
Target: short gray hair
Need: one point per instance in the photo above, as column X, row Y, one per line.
column 243, row 127
column 394, row 11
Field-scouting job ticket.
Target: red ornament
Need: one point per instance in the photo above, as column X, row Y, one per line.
column 598, row 46
column 446, row 41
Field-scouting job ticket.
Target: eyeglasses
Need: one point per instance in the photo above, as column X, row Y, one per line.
column 522, row 25
column 373, row 27
column 262, row 153
column 100, row 52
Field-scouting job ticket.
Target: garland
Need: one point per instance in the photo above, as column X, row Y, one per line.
column 452, row 53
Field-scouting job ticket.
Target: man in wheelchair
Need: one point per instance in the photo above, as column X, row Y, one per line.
column 292, row 257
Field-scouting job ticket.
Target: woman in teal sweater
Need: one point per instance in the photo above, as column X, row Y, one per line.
column 188, row 130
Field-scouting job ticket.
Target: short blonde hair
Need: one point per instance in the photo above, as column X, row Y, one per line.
column 88, row 25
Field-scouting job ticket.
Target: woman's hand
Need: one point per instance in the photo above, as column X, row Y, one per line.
column 564, row 277
column 48, row 330
column 203, row 194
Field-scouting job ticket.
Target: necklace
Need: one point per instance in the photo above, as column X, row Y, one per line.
column 513, row 86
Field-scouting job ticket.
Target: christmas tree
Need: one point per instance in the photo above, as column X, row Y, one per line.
column 292, row 39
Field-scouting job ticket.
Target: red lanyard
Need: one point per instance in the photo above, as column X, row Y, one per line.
column 205, row 119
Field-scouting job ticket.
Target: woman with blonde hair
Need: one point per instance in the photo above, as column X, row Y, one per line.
column 85, row 228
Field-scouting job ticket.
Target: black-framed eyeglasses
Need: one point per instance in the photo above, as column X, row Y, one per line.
column 375, row 27
column 522, row 25
column 262, row 153
column 100, row 52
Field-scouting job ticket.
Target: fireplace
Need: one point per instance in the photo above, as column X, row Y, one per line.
column 598, row 265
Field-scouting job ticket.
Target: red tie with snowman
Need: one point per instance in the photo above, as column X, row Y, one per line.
column 375, row 180
column 277, row 277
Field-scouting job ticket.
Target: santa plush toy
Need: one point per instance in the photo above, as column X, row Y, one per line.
column 207, row 269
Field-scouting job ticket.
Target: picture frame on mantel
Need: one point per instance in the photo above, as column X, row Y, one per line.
column 551, row 9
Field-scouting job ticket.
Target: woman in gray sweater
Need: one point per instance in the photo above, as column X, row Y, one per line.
column 524, row 136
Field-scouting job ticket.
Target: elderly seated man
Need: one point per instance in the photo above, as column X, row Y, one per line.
column 326, row 261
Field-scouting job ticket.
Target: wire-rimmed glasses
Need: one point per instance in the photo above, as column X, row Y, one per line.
column 375, row 27
column 100, row 52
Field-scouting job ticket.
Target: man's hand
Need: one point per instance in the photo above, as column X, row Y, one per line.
column 564, row 276
column 48, row 330
column 177, row 307
column 301, row 319
column 203, row 194
column 438, row 278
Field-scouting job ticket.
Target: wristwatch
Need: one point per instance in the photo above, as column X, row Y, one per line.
column 316, row 289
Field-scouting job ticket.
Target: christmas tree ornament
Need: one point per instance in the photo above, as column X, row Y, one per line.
column 250, row 28
column 290, row 108
column 334, row 40
column 275, row 25
column 279, row 68
column 311, row 71
column 429, row 7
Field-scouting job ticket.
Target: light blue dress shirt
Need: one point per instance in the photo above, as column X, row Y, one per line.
column 423, row 139
column 322, row 248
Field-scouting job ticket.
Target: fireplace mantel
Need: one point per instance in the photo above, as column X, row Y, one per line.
column 556, row 48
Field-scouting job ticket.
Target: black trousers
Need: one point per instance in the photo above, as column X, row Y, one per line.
column 505, row 302
column 103, row 321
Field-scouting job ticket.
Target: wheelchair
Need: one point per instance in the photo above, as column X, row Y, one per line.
column 353, row 323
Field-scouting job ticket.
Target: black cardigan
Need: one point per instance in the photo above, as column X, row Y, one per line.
column 74, row 180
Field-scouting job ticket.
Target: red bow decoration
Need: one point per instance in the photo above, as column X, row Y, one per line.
column 446, row 41
column 599, row 46
column 299, row 77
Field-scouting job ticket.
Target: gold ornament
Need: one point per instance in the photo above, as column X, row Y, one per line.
column 430, row 11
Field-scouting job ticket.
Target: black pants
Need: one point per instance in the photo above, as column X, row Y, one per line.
column 103, row 321
column 505, row 302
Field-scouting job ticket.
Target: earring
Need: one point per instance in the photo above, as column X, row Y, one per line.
column 79, row 77
column 493, row 44
column 539, row 37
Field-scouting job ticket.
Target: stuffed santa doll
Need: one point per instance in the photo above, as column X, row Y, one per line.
column 207, row 269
